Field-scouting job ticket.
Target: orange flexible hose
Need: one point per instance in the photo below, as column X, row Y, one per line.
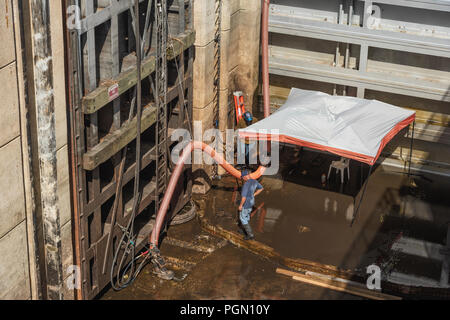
column 194, row 145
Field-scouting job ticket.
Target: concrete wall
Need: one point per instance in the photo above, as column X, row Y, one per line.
column 14, row 265
column 239, row 64
column 19, row 268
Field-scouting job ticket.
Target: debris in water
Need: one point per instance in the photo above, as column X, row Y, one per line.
column 203, row 237
column 349, row 212
column 303, row 229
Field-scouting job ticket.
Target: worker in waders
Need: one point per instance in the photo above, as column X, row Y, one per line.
column 250, row 190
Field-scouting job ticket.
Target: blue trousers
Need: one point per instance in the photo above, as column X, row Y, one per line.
column 244, row 215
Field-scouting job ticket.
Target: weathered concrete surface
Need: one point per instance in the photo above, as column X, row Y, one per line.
column 15, row 281
column 17, row 207
column 202, row 172
column 7, row 50
column 226, row 54
column 12, row 206
column 249, row 48
column 204, row 16
column 9, row 108
column 204, row 76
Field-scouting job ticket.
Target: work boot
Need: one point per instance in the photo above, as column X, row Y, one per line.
column 241, row 228
column 249, row 232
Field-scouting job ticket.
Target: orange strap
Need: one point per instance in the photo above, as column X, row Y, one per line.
column 240, row 108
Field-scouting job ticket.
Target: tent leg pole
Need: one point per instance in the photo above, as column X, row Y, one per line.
column 411, row 149
column 361, row 175
column 362, row 196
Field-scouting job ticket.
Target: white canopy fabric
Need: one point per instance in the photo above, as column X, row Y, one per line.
column 354, row 128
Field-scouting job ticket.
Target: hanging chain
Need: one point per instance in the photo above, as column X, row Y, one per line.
column 217, row 60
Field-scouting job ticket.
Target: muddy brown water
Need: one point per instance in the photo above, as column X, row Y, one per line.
column 302, row 218
column 228, row 273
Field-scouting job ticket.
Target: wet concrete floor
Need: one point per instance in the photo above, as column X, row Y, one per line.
column 302, row 218
column 227, row 273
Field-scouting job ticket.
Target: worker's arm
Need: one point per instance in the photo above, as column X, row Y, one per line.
column 259, row 191
column 241, row 206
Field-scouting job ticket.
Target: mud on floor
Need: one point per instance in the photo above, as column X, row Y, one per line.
column 402, row 226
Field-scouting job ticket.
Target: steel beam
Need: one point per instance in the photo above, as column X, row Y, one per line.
column 437, row 5
column 294, row 25
column 297, row 68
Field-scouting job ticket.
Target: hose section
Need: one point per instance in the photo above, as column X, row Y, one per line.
column 194, row 145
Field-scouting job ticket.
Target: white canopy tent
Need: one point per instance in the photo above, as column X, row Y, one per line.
column 353, row 128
